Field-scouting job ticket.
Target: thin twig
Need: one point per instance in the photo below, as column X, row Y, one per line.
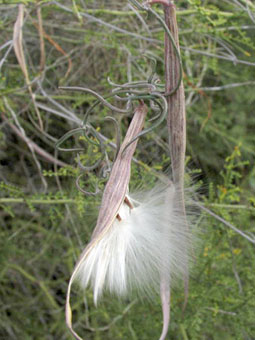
column 10, row 44
column 18, row 48
column 218, row 56
column 216, row 310
column 8, row 200
column 106, row 24
column 33, row 147
column 227, row 86
column 42, row 46
column 228, row 224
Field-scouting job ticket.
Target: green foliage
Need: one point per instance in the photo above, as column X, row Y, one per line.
column 226, row 258
column 45, row 227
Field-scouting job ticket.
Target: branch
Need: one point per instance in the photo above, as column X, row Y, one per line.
column 36, row 148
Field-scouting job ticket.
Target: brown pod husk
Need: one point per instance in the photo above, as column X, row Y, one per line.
column 113, row 196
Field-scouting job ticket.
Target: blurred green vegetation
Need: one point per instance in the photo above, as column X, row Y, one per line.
column 46, row 221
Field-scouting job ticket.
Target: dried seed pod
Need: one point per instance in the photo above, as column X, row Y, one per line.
column 113, row 198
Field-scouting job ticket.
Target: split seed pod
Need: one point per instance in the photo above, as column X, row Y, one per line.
column 139, row 241
column 113, row 197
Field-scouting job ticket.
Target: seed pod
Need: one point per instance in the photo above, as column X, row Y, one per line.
column 113, row 197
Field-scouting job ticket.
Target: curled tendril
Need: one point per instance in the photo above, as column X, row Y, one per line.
column 91, row 167
column 134, row 84
column 117, row 129
column 67, row 136
column 153, row 67
column 131, row 84
column 77, row 182
column 146, row 90
column 84, row 131
column 132, row 94
column 161, row 118
column 98, row 96
column 146, row 7
column 155, row 108
column 88, row 168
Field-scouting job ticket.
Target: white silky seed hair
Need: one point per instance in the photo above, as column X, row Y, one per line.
column 149, row 242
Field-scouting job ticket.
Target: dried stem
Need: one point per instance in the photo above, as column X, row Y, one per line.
column 176, row 119
column 18, row 48
column 42, row 46
column 34, row 147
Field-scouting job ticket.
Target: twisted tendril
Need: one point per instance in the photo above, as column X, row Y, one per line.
column 146, row 90
column 146, row 7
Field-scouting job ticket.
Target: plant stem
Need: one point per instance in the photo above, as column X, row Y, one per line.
column 176, row 102
column 36, row 201
column 176, row 120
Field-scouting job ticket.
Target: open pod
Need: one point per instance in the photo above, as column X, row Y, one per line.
column 113, row 197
